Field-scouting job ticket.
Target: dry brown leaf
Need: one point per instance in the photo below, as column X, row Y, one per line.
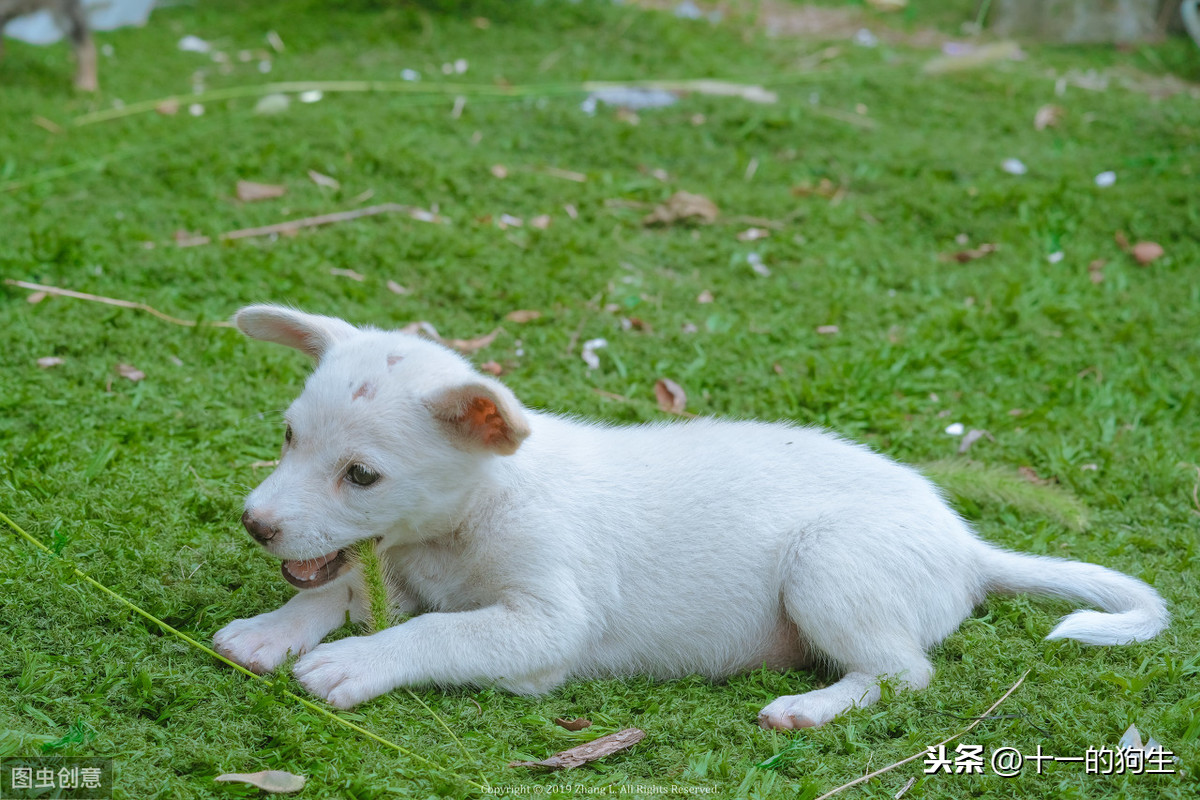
column 36, row 298
column 573, row 724
column 1029, row 474
column 397, row 288
column 131, row 372
column 347, row 273
column 249, row 191
column 46, row 362
column 491, row 368
column 683, row 207
column 704, row 297
column 827, row 330
column 636, row 324
column 468, row 346
column 499, row 171
column 523, row 315
column 888, row 5
column 274, row 781
column 1146, row 252
column 824, row 188
column 1048, row 116
column 422, row 328
column 671, row 397
column 1122, row 240
column 587, row 753
column 541, row 222
column 168, row 107
column 963, row 256
column 1096, row 270
column 324, row 180
column 628, row 116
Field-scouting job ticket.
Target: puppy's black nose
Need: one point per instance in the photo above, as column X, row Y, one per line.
column 258, row 529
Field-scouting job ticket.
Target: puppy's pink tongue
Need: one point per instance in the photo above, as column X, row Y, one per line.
column 307, row 570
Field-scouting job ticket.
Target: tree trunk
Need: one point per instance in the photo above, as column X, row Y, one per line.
column 1077, row 21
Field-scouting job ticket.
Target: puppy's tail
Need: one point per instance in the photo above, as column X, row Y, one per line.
column 1132, row 610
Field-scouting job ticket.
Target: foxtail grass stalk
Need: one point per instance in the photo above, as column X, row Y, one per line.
column 209, row 651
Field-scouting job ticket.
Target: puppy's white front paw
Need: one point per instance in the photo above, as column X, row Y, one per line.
column 260, row 644
column 344, row 673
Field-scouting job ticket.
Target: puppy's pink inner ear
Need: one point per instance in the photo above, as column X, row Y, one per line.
column 477, row 417
column 482, row 421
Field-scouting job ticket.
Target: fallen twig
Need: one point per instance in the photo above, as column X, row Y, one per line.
column 915, row 756
column 586, row 753
column 294, row 225
column 112, row 301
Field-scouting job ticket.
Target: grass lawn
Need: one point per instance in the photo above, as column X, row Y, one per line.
column 862, row 173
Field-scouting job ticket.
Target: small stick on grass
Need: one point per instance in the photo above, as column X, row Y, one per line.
column 293, row 225
column 112, row 301
column 915, row 756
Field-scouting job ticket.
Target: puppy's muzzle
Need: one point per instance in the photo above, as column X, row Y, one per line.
column 261, row 531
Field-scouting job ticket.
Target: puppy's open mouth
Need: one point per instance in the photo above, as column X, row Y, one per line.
column 313, row 572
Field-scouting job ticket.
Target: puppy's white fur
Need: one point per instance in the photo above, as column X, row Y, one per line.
column 534, row 547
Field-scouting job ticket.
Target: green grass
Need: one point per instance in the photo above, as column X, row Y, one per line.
column 140, row 484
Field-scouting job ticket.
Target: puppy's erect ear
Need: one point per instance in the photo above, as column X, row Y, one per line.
column 308, row 333
column 483, row 416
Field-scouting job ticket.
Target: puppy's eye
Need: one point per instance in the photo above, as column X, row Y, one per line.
column 360, row 475
column 287, row 434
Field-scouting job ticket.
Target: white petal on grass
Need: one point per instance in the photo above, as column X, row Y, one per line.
column 311, row 96
column 756, row 263
column 864, row 38
column 194, row 44
column 1055, row 257
column 272, row 104
column 1014, row 166
column 589, row 352
column 955, row 429
column 1106, row 179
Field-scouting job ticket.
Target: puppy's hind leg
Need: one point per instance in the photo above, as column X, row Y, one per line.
column 857, row 621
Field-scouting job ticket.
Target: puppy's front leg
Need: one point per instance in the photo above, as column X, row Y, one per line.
column 260, row 644
column 526, row 647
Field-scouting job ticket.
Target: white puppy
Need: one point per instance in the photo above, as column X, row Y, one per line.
column 534, row 548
